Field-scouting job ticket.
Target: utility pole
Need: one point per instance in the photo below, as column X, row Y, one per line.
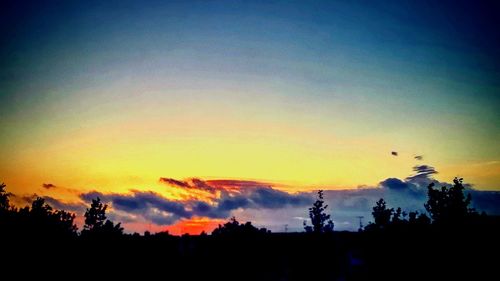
column 360, row 223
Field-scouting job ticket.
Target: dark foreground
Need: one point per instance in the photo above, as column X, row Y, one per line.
column 430, row 254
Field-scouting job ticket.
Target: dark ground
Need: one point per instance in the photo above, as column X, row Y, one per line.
column 430, row 254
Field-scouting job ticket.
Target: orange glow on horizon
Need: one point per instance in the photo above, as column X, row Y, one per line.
column 194, row 226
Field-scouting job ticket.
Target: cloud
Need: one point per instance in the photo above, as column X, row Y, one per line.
column 269, row 207
column 237, row 183
column 267, row 197
column 151, row 206
column 394, row 184
column 202, row 185
column 422, row 172
column 213, row 185
column 234, row 195
column 174, row 182
column 48, row 185
column 487, row 201
column 77, row 207
column 27, row 198
column 67, row 206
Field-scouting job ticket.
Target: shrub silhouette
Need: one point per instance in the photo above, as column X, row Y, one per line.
column 234, row 228
column 321, row 222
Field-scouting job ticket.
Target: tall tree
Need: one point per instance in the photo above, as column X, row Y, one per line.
column 4, row 197
column 96, row 215
column 96, row 222
column 449, row 205
column 320, row 220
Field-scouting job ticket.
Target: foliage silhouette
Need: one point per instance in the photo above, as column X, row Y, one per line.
column 36, row 222
column 234, row 228
column 96, row 223
column 449, row 206
column 400, row 247
column 390, row 219
column 4, row 198
column 44, row 218
column 321, row 222
column 381, row 214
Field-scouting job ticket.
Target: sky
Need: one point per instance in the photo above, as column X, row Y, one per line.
column 263, row 102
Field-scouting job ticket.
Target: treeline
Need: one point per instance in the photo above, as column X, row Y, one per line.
column 447, row 207
column 450, row 240
column 42, row 222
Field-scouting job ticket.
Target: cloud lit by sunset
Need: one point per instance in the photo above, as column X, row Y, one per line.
column 180, row 115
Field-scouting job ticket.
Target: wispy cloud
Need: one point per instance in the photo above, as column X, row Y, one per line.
column 48, row 185
column 422, row 172
column 174, row 182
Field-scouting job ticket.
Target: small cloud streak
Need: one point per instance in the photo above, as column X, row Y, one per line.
column 174, row 182
column 48, row 185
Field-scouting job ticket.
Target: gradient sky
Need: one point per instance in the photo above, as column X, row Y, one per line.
column 112, row 96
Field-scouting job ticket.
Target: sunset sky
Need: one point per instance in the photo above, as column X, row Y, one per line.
column 263, row 101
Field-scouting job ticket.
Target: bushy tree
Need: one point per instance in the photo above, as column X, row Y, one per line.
column 234, row 228
column 391, row 219
column 381, row 214
column 96, row 222
column 50, row 221
column 320, row 220
column 449, row 205
column 418, row 219
column 4, row 198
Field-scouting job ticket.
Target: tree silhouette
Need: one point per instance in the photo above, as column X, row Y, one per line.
column 321, row 222
column 96, row 215
column 418, row 219
column 8, row 218
column 96, row 222
column 4, row 197
column 449, row 205
column 381, row 214
column 234, row 228
column 55, row 222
